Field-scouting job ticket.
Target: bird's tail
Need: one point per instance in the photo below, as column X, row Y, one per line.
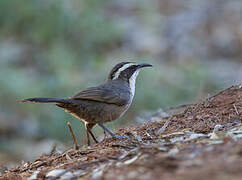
column 45, row 100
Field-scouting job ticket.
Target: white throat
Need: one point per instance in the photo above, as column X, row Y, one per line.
column 132, row 81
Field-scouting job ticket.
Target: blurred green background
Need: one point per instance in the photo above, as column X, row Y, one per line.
column 55, row 48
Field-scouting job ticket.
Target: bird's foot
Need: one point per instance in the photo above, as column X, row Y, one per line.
column 111, row 133
column 117, row 137
column 121, row 137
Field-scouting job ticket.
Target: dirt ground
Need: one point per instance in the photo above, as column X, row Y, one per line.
column 204, row 141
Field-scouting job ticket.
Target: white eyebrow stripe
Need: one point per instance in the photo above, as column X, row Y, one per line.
column 121, row 69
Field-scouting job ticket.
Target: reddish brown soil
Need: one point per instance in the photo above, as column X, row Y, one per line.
column 154, row 151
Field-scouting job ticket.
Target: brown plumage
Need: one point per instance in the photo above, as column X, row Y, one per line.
column 104, row 103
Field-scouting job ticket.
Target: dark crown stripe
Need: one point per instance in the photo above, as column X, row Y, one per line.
column 121, row 69
column 117, row 68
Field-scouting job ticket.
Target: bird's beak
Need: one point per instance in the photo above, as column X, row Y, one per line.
column 141, row 65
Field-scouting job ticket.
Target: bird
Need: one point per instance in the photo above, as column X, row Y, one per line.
column 103, row 103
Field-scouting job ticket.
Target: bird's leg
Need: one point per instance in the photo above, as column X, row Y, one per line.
column 105, row 134
column 89, row 131
column 88, row 137
column 93, row 137
column 111, row 133
column 107, row 130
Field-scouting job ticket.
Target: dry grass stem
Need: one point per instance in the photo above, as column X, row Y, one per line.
column 73, row 136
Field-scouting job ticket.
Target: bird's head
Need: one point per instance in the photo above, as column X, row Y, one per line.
column 127, row 71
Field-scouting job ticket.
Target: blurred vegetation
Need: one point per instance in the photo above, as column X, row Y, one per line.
column 55, row 48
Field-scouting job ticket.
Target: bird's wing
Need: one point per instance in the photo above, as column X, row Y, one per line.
column 102, row 94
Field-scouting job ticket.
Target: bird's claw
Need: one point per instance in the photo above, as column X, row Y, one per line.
column 117, row 137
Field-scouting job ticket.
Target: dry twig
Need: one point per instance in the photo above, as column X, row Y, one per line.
column 73, row 136
column 236, row 110
column 163, row 128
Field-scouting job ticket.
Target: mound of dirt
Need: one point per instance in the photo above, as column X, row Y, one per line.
column 202, row 142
